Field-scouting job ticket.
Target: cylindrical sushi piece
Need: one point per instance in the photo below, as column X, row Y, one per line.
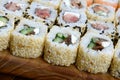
column 113, row 3
column 72, row 18
column 61, row 46
column 115, row 65
column 89, row 2
column 6, row 27
column 117, row 17
column 53, row 3
column 103, row 28
column 95, row 53
column 27, row 40
column 73, row 4
column 101, row 12
column 42, row 13
column 14, row 8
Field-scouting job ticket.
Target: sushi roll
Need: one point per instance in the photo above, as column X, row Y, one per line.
column 6, row 27
column 103, row 28
column 61, row 46
column 95, row 53
column 73, row 19
column 42, row 13
column 14, row 8
column 101, row 12
column 113, row 3
column 54, row 3
column 73, row 4
column 27, row 40
column 115, row 65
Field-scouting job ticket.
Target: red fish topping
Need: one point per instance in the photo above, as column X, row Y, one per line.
column 12, row 6
column 70, row 18
column 42, row 13
column 99, row 26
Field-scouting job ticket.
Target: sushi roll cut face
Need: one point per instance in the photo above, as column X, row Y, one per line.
column 53, row 3
column 72, row 19
column 42, row 13
column 105, row 28
column 73, row 4
column 95, row 53
column 13, row 7
column 115, row 65
column 101, row 12
column 6, row 26
column 28, row 39
column 61, row 46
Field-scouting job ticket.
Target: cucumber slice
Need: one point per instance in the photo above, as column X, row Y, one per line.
column 94, row 40
column 101, row 13
column 3, row 19
column 91, row 45
column 26, row 31
column 57, row 39
column 60, row 35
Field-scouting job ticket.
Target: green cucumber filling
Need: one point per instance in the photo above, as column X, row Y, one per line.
column 28, row 30
column 60, row 38
column 98, row 43
column 3, row 21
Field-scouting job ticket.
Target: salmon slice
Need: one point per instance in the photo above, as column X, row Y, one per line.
column 76, row 3
column 99, row 26
column 89, row 2
column 112, row 3
column 70, row 18
column 98, row 8
column 12, row 6
column 42, row 13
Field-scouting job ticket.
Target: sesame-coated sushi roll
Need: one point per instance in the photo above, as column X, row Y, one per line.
column 61, row 46
column 6, row 27
column 95, row 53
column 101, row 12
column 113, row 3
column 53, row 3
column 42, row 13
column 14, row 8
column 73, row 19
column 27, row 40
column 115, row 65
column 73, row 4
column 105, row 28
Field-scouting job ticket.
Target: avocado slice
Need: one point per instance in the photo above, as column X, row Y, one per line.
column 3, row 19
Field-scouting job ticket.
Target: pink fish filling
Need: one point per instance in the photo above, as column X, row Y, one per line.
column 70, row 18
column 99, row 26
column 12, row 6
column 42, row 13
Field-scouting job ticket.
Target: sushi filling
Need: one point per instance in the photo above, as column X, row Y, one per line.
column 76, row 3
column 65, row 38
column 99, row 26
column 98, row 43
column 100, row 10
column 3, row 21
column 42, row 13
column 71, row 17
column 29, row 30
column 12, row 6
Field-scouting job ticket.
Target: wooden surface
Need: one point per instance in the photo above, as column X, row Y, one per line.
column 38, row 69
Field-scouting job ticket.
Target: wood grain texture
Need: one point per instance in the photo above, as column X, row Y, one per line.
column 38, row 69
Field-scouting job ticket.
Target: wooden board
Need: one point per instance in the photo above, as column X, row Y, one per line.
column 38, row 69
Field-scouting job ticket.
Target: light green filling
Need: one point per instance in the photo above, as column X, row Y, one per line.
column 27, row 30
column 3, row 21
column 102, row 13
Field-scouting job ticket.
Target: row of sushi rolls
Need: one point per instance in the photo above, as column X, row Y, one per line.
column 81, row 32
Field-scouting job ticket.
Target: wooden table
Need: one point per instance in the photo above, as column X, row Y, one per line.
column 38, row 69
